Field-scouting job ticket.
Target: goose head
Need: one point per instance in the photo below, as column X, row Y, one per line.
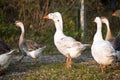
column 116, row 13
column 56, row 16
column 104, row 20
column 98, row 34
column 97, row 20
column 18, row 23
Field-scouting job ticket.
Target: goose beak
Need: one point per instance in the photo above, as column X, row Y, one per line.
column 46, row 17
column 113, row 14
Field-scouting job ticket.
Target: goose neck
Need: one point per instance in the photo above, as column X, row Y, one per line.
column 98, row 34
column 108, row 27
column 22, row 29
column 109, row 34
column 59, row 25
column 21, row 39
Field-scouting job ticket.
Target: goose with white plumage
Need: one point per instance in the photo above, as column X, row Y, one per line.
column 5, row 59
column 113, row 40
column 102, row 50
column 6, row 56
column 67, row 45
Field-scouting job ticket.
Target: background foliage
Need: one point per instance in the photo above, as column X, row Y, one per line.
column 31, row 13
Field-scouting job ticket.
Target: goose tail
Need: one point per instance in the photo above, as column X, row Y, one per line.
column 87, row 45
column 12, row 51
column 41, row 48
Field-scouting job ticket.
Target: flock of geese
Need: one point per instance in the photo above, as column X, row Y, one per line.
column 104, row 51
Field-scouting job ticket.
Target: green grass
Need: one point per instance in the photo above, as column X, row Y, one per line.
column 57, row 71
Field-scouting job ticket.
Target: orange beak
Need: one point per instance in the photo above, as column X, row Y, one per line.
column 113, row 14
column 47, row 17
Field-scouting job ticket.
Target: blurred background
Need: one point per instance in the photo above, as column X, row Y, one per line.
column 31, row 13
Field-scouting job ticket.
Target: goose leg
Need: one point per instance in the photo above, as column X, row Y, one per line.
column 69, row 62
column 21, row 57
column 103, row 68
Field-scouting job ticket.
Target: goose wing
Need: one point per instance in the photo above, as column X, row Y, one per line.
column 103, row 49
column 107, row 49
column 31, row 45
column 68, row 42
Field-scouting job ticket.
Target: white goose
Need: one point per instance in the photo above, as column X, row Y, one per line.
column 28, row 47
column 109, row 35
column 6, row 55
column 113, row 40
column 102, row 51
column 68, row 46
column 5, row 59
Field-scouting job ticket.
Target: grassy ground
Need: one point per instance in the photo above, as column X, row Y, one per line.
column 57, row 71
column 81, row 70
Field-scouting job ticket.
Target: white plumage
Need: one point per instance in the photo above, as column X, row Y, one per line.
column 102, row 51
column 113, row 40
column 67, row 45
column 34, row 53
column 5, row 59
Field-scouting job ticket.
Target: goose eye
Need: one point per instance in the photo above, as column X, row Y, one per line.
column 58, row 20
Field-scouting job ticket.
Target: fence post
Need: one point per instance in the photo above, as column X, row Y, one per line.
column 82, row 20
